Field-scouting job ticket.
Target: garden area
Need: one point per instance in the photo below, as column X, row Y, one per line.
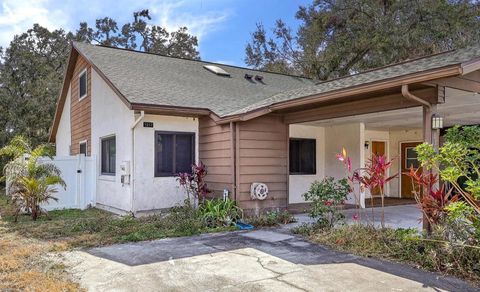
column 28, row 233
column 447, row 192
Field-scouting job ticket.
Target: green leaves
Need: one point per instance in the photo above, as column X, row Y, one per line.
column 338, row 38
column 326, row 196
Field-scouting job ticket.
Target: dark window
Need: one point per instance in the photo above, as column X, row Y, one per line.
column 303, row 156
column 83, row 148
column 174, row 153
column 83, row 84
column 108, row 155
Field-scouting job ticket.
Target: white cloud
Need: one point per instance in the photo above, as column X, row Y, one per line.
column 175, row 14
column 17, row 16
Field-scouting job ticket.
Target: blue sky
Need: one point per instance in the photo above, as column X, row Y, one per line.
column 223, row 26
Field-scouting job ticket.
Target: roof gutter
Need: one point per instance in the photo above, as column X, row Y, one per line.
column 408, row 95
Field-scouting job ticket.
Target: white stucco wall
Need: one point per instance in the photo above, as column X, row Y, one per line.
column 352, row 138
column 299, row 184
column 152, row 193
column 63, row 139
column 110, row 116
column 396, row 138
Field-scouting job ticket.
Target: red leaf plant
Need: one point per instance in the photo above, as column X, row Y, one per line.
column 194, row 182
column 431, row 199
column 372, row 176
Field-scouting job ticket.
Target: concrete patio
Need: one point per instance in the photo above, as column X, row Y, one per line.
column 261, row 260
column 404, row 216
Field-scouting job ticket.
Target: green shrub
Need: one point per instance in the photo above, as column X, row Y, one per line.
column 271, row 218
column 218, row 212
column 326, row 197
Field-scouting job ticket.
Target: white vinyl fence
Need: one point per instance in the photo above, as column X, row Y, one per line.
column 79, row 174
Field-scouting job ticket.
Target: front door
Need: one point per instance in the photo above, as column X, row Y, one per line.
column 378, row 148
column 409, row 159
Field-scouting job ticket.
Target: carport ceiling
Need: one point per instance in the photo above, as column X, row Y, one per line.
column 461, row 107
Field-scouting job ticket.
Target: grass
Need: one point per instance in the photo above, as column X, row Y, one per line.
column 24, row 245
column 94, row 227
column 401, row 245
column 272, row 218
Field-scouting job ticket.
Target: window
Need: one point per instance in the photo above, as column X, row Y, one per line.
column 82, row 84
column 303, row 156
column 108, row 155
column 83, row 148
column 411, row 158
column 174, row 152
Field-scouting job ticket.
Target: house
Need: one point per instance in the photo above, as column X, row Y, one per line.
column 145, row 117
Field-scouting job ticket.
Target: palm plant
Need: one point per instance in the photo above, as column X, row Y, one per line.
column 30, row 182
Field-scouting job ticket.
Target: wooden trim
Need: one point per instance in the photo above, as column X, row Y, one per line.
column 237, row 160
column 232, row 159
column 364, row 106
column 170, row 110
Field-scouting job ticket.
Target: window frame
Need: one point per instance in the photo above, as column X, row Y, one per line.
column 314, row 157
column 174, row 133
column 103, row 139
column 81, row 97
column 80, row 147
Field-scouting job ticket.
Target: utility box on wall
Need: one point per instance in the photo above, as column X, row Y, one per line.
column 125, row 172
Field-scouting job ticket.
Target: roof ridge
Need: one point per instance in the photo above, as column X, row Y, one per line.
column 193, row 60
column 389, row 65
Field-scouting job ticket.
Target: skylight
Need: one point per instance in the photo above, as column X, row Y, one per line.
column 217, row 70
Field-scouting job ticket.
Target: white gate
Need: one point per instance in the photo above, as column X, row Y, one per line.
column 79, row 174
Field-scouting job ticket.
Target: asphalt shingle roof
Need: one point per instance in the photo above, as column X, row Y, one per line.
column 159, row 80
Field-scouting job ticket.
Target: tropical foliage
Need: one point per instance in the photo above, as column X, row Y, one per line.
column 29, row 181
column 326, row 197
column 340, row 37
column 219, row 212
column 456, row 202
column 374, row 176
column 194, row 183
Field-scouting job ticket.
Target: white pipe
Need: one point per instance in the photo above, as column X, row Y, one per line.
column 132, row 171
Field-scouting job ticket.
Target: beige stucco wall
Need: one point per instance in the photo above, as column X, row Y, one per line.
column 351, row 137
column 299, row 184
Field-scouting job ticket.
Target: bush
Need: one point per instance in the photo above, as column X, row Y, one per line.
column 327, row 196
column 218, row 212
column 272, row 218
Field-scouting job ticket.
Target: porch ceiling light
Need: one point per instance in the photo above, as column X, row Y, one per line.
column 437, row 122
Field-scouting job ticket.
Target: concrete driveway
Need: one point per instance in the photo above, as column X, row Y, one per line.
column 262, row 260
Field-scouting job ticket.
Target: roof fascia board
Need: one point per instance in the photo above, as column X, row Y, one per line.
column 170, row 110
column 72, row 58
column 424, row 76
column 470, row 66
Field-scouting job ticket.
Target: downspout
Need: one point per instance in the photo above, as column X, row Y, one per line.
column 132, row 171
column 408, row 95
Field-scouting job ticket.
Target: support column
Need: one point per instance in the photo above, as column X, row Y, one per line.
column 432, row 137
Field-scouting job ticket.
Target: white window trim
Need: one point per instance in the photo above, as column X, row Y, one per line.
column 84, row 71
column 86, row 146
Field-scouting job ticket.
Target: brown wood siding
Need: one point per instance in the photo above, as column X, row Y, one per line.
column 215, row 152
column 263, row 157
column 80, row 110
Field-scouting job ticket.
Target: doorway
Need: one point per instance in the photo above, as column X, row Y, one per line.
column 408, row 159
column 378, row 148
